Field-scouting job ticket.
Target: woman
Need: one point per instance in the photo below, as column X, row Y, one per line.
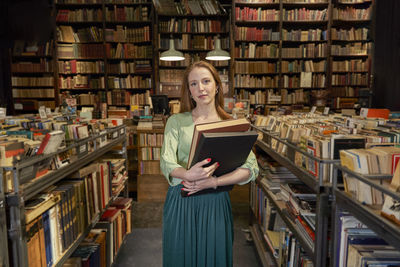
column 198, row 230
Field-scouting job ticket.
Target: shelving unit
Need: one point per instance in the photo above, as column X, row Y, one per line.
column 384, row 228
column 304, row 60
column 32, row 80
column 351, row 53
column 105, row 60
column 151, row 183
column 26, row 187
column 319, row 252
column 194, row 35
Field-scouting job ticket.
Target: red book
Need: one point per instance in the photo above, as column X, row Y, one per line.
column 110, row 214
column 122, row 203
column 44, row 143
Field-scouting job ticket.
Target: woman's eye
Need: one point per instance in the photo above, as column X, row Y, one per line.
column 206, row 81
column 193, row 84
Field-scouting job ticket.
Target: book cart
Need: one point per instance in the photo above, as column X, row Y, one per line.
column 383, row 228
column 3, row 228
column 25, row 187
column 319, row 251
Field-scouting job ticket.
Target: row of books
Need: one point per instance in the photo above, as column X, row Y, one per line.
column 32, row 81
column 32, row 67
column 150, row 153
column 139, row 13
column 203, row 7
column 252, row 50
column 303, row 66
column 298, row 96
column 74, row 66
column 303, row 35
column 82, row 35
column 24, row 48
column 123, row 97
column 188, row 41
column 128, row 50
column 305, row 51
column 123, row 67
column 350, row 79
column 256, row 14
column 316, row 80
column 191, row 25
column 353, row 65
column 255, row 67
column 125, row 34
column 79, row 15
column 256, row 34
column 350, row 91
column 149, row 167
column 151, row 139
column 351, row 13
column 33, row 93
column 99, row 1
column 95, row 51
column 33, row 104
column 171, row 75
column 303, row 14
column 251, row 81
column 81, row 82
column 351, row 49
column 353, row 34
column 128, row 82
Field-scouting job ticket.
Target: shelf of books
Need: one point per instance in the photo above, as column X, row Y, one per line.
column 152, row 185
column 281, row 174
column 366, row 215
column 60, row 186
column 351, row 53
column 256, row 51
column 194, row 27
column 32, row 79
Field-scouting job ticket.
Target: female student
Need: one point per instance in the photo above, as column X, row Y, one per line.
column 198, row 230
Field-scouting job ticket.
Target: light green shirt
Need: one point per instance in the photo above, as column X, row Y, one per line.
column 178, row 136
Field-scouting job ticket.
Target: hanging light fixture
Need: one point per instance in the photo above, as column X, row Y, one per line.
column 218, row 53
column 171, row 54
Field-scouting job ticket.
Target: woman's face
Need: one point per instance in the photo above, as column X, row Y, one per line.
column 202, row 86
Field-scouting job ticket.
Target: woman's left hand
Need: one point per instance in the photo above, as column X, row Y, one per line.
column 196, row 186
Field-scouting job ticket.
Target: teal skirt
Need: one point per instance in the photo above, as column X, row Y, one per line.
column 197, row 230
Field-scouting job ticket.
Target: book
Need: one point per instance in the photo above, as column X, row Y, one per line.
column 51, row 142
column 234, row 125
column 229, row 149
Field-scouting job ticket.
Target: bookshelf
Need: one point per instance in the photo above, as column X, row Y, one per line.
column 104, row 54
column 368, row 215
column 193, row 26
column 315, row 249
column 32, row 76
column 351, row 53
column 26, row 187
column 151, row 183
column 302, row 53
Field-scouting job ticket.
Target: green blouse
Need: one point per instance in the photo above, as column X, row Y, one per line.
column 175, row 150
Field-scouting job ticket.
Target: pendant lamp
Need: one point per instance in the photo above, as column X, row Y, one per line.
column 171, row 54
column 218, row 53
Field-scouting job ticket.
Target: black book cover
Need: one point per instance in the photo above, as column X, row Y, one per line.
column 229, row 149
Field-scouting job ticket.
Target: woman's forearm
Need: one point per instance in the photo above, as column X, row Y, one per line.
column 237, row 176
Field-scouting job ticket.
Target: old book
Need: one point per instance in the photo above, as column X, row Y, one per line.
column 229, row 149
column 51, row 142
column 239, row 125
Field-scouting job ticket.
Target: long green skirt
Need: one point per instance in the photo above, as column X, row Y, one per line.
column 197, row 230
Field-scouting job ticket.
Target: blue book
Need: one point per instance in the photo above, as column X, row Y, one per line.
column 47, row 238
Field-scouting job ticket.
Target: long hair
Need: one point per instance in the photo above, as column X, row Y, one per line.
column 188, row 104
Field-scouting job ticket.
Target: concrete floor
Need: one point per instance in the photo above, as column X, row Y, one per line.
column 143, row 247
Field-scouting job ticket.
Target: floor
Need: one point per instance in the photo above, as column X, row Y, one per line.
column 143, row 247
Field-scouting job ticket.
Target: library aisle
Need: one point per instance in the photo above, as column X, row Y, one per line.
column 143, row 247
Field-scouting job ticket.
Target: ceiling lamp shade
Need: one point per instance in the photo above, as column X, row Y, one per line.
column 171, row 54
column 218, row 53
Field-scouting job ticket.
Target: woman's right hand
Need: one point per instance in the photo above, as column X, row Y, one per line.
column 198, row 172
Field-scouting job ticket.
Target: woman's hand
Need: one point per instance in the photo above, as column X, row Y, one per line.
column 195, row 186
column 198, row 172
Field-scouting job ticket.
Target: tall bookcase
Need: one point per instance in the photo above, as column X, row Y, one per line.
column 32, row 80
column 302, row 52
column 194, row 26
column 104, row 54
column 351, row 52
